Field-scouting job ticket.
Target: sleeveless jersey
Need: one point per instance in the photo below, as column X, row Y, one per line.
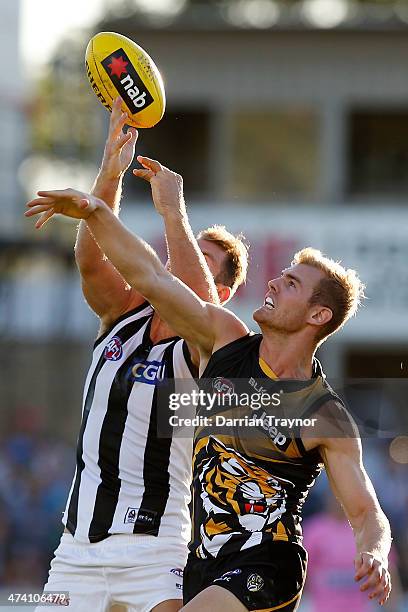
column 129, row 479
column 249, row 483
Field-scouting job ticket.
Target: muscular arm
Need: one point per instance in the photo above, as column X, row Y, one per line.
column 198, row 322
column 340, row 448
column 105, row 290
column 186, row 259
column 352, row 486
column 188, row 263
column 205, row 325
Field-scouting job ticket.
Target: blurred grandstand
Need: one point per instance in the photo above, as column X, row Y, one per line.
column 288, row 121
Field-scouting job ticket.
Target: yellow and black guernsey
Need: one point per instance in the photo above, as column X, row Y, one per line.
column 251, row 477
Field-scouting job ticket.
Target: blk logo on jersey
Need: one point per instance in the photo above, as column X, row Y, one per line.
column 113, row 350
column 148, row 372
column 126, row 80
column 228, row 575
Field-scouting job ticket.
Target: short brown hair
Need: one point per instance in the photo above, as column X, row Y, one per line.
column 235, row 265
column 341, row 290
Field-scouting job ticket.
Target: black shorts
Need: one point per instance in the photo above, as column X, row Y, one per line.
column 262, row 577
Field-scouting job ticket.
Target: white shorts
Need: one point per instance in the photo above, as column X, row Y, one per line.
column 136, row 571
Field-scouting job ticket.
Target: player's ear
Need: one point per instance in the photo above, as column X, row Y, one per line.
column 224, row 293
column 319, row 315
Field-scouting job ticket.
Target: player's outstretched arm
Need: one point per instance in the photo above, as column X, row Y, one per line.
column 105, row 290
column 186, row 259
column 351, row 485
column 200, row 323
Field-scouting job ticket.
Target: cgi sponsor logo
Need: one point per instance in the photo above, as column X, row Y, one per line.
column 126, row 80
column 148, row 372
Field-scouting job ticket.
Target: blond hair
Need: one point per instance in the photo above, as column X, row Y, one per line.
column 235, row 265
column 340, row 290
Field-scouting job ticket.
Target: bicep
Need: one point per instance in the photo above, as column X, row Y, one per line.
column 187, row 314
column 199, row 323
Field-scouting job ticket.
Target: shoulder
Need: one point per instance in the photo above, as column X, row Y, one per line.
column 334, row 420
column 227, row 358
column 333, row 427
column 227, row 325
column 238, row 343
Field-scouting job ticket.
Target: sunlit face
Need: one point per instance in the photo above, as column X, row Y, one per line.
column 286, row 306
column 214, row 256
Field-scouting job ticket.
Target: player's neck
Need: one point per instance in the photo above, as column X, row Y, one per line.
column 160, row 330
column 287, row 356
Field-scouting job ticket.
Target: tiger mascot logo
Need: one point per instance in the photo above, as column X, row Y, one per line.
column 237, row 496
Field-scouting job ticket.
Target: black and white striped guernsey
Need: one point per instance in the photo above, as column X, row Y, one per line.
column 128, row 479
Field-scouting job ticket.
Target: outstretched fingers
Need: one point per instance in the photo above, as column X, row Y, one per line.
column 150, row 164
column 42, row 220
column 143, row 173
column 39, row 201
column 377, row 581
column 133, row 131
column 380, row 588
column 150, row 168
column 120, row 141
column 55, row 193
column 363, row 565
column 118, row 118
column 67, row 202
column 35, row 209
column 123, row 139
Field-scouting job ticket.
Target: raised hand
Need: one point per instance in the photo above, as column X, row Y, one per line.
column 378, row 583
column 120, row 147
column 167, row 186
column 67, row 202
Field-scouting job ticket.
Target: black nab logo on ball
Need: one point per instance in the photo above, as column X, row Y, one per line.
column 126, row 80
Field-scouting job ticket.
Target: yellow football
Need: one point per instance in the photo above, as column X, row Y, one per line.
column 116, row 66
